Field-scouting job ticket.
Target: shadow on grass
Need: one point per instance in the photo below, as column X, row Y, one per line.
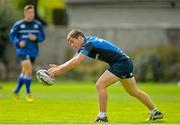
column 154, row 122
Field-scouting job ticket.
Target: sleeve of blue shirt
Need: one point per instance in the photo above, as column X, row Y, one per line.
column 86, row 48
column 41, row 35
column 13, row 35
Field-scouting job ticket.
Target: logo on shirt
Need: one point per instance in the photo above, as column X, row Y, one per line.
column 35, row 26
column 22, row 26
column 123, row 77
column 97, row 56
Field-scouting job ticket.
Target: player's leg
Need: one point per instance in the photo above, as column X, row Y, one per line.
column 106, row 79
column 20, row 80
column 27, row 65
column 129, row 85
column 27, row 75
column 18, row 86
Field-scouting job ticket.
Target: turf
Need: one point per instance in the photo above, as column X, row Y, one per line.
column 75, row 102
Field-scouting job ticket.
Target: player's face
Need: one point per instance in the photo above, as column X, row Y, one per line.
column 29, row 14
column 76, row 43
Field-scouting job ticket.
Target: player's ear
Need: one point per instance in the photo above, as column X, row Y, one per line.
column 80, row 38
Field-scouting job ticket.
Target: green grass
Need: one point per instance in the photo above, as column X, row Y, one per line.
column 72, row 103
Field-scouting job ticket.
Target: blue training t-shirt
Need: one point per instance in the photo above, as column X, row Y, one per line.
column 101, row 49
column 20, row 31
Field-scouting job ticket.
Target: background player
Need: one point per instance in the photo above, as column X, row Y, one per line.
column 25, row 35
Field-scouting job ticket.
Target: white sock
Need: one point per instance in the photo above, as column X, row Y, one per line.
column 153, row 111
column 102, row 114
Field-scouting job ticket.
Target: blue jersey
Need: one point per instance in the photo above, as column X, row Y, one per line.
column 101, row 49
column 20, row 31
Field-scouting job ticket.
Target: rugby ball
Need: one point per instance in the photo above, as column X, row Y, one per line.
column 44, row 77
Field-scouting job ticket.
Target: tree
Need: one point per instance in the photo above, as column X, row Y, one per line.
column 7, row 17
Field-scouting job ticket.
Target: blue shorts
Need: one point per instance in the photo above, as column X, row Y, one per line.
column 26, row 57
column 122, row 69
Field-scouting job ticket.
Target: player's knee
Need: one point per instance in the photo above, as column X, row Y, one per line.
column 28, row 72
column 99, row 86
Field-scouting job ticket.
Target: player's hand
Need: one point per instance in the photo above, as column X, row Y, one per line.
column 53, row 70
column 32, row 37
column 22, row 44
column 52, row 66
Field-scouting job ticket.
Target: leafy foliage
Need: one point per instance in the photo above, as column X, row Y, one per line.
column 8, row 15
column 161, row 63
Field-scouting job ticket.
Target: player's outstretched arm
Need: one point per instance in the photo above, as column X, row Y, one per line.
column 54, row 70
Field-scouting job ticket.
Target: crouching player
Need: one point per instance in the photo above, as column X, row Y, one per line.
column 25, row 35
column 120, row 69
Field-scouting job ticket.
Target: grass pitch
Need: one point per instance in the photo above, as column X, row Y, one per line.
column 74, row 102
